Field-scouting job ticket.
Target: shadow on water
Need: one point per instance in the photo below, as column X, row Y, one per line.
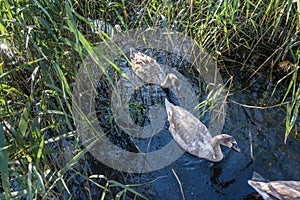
column 201, row 179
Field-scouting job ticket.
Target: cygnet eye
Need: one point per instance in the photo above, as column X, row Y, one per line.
column 235, row 147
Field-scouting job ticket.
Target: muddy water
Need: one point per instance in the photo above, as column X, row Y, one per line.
column 263, row 129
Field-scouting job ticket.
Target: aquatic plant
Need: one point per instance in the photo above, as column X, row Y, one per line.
column 43, row 42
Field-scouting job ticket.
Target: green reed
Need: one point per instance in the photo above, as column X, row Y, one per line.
column 47, row 39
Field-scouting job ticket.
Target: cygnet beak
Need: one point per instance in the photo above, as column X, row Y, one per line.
column 235, row 147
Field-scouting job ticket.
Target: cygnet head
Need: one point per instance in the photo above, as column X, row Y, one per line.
column 173, row 80
column 229, row 142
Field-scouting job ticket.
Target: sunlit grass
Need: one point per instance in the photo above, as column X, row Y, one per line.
column 47, row 40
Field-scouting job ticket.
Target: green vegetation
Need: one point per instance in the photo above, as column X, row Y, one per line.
column 43, row 43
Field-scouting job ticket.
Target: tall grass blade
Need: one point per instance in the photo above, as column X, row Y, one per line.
column 4, row 164
column 23, row 124
column 125, row 187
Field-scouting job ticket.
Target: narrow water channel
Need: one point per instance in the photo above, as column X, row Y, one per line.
column 261, row 129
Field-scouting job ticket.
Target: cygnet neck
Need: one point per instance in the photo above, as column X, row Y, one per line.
column 215, row 143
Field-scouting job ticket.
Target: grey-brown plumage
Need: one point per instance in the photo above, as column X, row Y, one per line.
column 277, row 190
column 193, row 136
column 150, row 71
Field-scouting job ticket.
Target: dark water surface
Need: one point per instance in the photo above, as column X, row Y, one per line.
column 201, row 179
column 227, row 179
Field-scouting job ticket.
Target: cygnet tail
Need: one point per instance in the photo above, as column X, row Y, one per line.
column 168, row 105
